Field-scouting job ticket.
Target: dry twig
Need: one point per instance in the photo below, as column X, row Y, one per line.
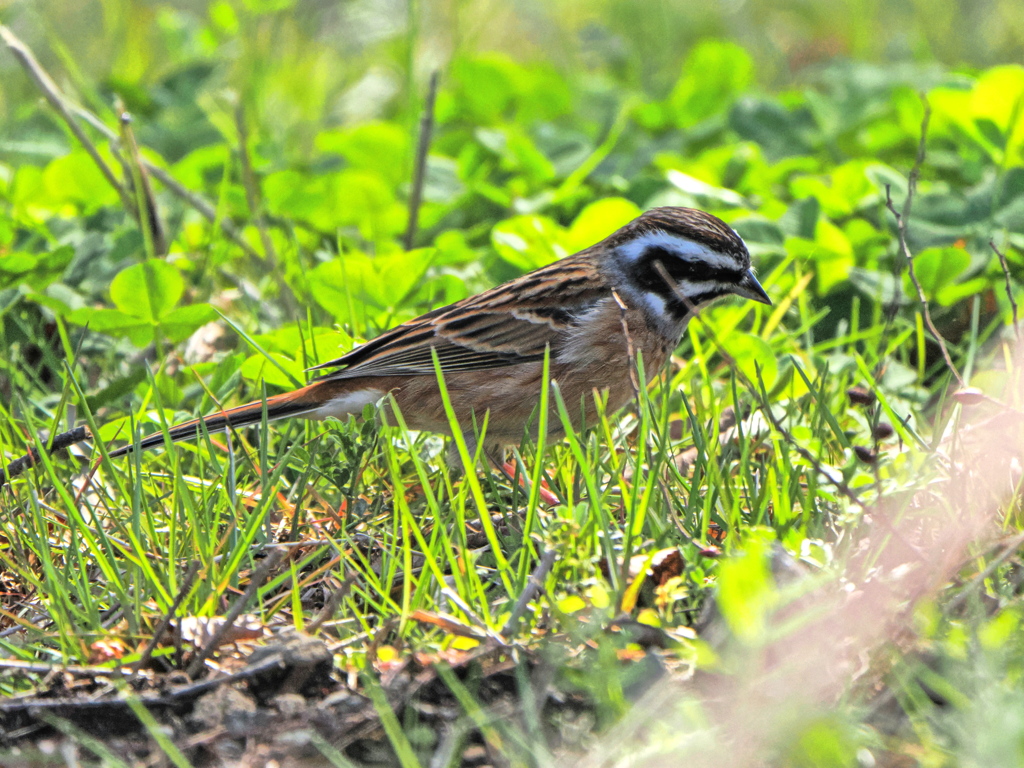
column 420, row 171
column 252, row 191
column 59, row 443
column 533, row 587
column 901, row 232
column 69, row 111
column 631, row 361
column 255, row 582
column 53, row 95
column 1009, row 286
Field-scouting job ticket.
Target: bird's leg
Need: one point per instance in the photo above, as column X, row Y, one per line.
column 508, row 468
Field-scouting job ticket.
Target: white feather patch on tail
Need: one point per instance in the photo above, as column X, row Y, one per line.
column 343, row 405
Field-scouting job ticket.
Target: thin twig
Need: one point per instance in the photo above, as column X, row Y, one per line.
column 253, row 198
column 59, row 443
column 420, row 170
column 762, row 401
column 68, row 111
column 255, row 582
column 53, row 95
column 901, row 231
column 631, row 363
column 533, row 588
column 165, row 622
column 150, row 224
column 1009, row 286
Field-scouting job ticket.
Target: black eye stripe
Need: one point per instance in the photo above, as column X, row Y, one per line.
column 680, row 309
column 685, row 269
column 646, row 276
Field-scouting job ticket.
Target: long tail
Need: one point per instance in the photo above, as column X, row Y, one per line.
column 315, row 401
column 328, row 397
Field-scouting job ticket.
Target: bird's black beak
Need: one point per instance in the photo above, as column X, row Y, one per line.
column 749, row 288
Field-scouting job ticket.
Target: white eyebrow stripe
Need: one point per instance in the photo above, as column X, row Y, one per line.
column 634, row 249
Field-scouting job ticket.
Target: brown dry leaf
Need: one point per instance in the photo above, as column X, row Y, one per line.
column 198, row 630
column 204, row 345
column 666, row 564
column 969, row 396
column 717, row 533
column 448, row 623
column 660, row 566
column 453, row 657
column 105, row 650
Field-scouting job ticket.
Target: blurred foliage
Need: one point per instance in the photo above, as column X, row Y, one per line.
column 555, row 124
column 527, row 164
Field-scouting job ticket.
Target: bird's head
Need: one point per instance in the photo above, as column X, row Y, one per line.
column 677, row 259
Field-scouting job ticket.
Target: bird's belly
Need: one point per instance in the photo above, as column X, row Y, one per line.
column 510, row 397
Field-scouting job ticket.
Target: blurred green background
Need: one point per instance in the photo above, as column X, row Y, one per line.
column 789, row 120
column 556, row 122
column 304, row 64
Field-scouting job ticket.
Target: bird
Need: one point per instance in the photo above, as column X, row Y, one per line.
column 590, row 314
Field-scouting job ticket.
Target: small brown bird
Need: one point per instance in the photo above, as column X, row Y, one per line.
column 633, row 292
column 591, row 310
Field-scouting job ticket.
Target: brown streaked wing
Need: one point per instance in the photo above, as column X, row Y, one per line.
column 506, row 325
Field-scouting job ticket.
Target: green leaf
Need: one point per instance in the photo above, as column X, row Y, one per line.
column 258, row 368
column 713, row 74
column 148, row 290
column 385, row 282
column 824, row 742
column 1010, row 200
column 781, row 132
column 485, row 86
column 845, row 190
column 75, row 179
column 35, row 270
column 528, row 242
column 753, row 355
column 949, row 295
column 374, row 146
column 830, row 253
column 598, row 220
column 936, row 268
column 746, row 589
column 192, row 169
column 571, row 604
column 180, row 323
column 296, row 195
column 363, row 199
column 997, row 96
column 113, row 322
column 517, row 151
column 704, row 195
column 334, row 288
column 18, row 263
column 488, row 87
